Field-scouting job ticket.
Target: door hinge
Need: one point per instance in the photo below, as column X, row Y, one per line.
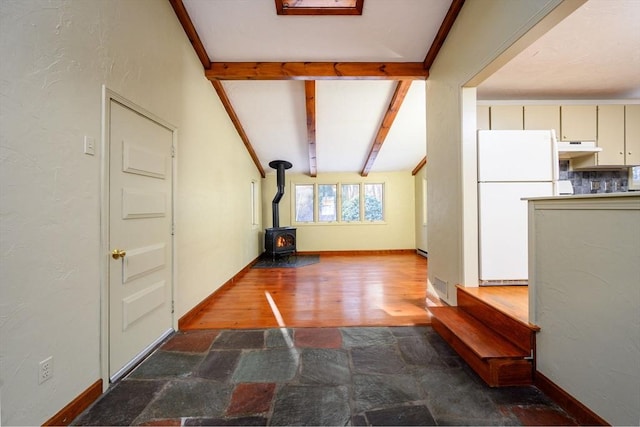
column 173, row 151
column 173, row 229
column 172, row 306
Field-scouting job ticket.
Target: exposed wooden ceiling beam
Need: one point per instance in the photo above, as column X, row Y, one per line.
column 310, row 102
column 419, row 166
column 317, row 71
column 190, row 30
column 396, row 101
column 236, row 122
column 443, row 32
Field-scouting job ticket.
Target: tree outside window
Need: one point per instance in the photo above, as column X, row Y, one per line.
column 350, row 202
column 373, row 202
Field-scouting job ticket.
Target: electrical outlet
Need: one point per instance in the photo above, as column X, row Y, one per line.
column 45, row 370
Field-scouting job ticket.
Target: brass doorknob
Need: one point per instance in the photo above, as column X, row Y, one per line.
column 118, row 253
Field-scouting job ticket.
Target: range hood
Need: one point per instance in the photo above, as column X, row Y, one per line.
column 570, row 149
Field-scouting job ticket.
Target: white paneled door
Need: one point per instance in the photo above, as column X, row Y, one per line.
column 140, row 235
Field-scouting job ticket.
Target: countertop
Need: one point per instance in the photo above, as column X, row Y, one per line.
column 587, row 196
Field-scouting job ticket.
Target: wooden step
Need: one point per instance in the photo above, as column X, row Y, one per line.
column 498, row 361
column 519, row 332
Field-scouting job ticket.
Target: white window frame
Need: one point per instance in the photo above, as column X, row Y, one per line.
column 338, row 221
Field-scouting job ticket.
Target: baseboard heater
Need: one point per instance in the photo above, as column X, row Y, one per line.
column 421, row 252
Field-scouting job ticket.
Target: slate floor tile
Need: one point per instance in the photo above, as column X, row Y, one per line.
column 305, row 405
column 276, row 365
column 167, row 364
column 218, row 365
column 377, row 360
column 325, row 366
column 318, row 338
column 363, row 337
column 401, row 416
column 121, row 404
column 279, row 337
column 374, row 391
column 314, row 376
column 190, row 341
column 239, row 339
column 251, row 398
column 163, row 422
column 192, row 398
column 241, row 421
column 542, row 415
column 409, row 331
column 452, row 393
column 416, row 350
column 519, row 396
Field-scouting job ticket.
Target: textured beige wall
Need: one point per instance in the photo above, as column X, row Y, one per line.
column 584, row 295
column 56, row 57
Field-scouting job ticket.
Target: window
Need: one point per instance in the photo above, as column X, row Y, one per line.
column 304, row 203
column 356, row 203
column 373, row 202
column 350, row 202
column 424, row 201
column 327, row 207
column 254, row 204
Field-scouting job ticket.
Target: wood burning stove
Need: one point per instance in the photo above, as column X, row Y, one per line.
column 279, row 240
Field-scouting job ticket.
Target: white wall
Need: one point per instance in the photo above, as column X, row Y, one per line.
column 56, row 55
column 397, row 231
column 483, row 30
column 585, row 296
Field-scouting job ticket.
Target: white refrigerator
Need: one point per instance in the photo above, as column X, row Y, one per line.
column 512, row 164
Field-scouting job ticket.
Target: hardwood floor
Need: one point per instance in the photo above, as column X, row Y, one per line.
column 339, row 290
column 511, row 300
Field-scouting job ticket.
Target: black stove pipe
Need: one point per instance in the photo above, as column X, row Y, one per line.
column 279, row 166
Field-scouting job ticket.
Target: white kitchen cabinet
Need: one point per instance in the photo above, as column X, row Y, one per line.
column 611, row 134
column 632, row 134
column 578, row 123
column 483, row 117
column 507, row 117
column 542, row 117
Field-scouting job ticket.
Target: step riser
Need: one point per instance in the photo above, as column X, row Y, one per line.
column 511, row 329
column 495, row 372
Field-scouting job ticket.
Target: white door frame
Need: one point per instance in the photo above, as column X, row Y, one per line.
column 108, row 96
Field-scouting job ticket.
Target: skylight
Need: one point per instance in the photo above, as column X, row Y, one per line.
column 319, row 7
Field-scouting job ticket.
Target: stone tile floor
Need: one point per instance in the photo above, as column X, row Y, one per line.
column 314, row 376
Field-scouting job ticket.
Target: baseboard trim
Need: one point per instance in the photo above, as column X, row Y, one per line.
column 361, row 252
column 191, row 314
column 582, row 414
column 67, row 414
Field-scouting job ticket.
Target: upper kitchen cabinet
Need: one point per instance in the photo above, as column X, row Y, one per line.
column 611, row 134
column 632, row 134
column 507, row 117
column 483, row 117
column 542, row 117
column 578, row 123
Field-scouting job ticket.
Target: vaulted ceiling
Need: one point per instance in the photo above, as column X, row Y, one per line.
column 329, row 93
column 343, row 90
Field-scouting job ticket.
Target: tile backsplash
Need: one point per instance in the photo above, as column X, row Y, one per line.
column 608, row 181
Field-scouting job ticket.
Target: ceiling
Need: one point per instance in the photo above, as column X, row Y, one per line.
column 347, row 93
